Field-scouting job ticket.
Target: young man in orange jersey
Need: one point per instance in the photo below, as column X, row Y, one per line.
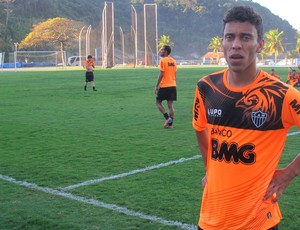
column 292, row 78
column 274, row 74
column 165, row 88
column 242, row 116
column 89, row 74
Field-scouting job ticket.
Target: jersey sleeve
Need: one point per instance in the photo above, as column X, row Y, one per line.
column 291, row 108
column 199, row 117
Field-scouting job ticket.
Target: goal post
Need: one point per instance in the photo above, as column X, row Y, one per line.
column 23, row 59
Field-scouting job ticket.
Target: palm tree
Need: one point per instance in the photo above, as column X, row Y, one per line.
column 164, row 41
column 273, row 43
column 262, row 55
column 215, row 46
column 291, row 55
column 298, row 42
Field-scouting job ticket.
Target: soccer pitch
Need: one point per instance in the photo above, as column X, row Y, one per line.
column 102, row 160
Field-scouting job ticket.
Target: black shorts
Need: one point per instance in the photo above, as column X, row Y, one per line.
column 274, row 228
column 89, row 76
column 168, row 93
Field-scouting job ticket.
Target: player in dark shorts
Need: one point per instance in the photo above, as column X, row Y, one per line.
column 89, row 74
column 165, row 88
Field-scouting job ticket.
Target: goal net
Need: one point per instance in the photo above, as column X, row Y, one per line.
column 23, row 59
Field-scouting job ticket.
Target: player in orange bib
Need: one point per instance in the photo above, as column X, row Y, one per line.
column 241, row 116
column 292, row 78
column 89, row 74
column 275, row 75
column 165, row 88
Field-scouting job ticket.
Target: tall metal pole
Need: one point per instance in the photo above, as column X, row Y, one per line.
column 145, row 35
column 156, row 35
column 123, row 44
column 87, row 40
column 104, row 38
column 79, row 45
column 134, row 28
column 15, row 54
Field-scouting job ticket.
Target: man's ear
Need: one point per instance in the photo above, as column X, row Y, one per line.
column 260, row 46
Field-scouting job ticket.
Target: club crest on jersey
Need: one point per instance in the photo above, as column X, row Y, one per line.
column 259, row 118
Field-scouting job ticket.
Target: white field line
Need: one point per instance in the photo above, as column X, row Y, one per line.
column 292, row 134
column 139, row 170
column 112, row 206
column 100, row 204
column 181, row 160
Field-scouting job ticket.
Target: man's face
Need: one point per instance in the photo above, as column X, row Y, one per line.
column 240, row 45
column 163, row 52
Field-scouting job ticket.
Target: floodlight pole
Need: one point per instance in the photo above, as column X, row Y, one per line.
column 87, row 40
column 156, row 35
column 104, row 37
column 145, row 36
column 79, row 45
column 15, row 54
column 134, row 29
column 123, row 43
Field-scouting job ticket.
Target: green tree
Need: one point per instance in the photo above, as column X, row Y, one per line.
column 215, row 46
column 273, row 43
column 6, row 12
column 164, row 40
column 53, row 34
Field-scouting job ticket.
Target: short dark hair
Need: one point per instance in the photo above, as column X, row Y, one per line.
column 90, row 56
column 167, row 48
column 245, row 14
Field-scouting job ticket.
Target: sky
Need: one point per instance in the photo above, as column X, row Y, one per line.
column 285, row 9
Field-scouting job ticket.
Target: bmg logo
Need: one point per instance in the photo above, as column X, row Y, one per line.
column 233, row 153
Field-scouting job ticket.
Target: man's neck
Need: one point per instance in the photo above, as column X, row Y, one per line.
column 240, row 80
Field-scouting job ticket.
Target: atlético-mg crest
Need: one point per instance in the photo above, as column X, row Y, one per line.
column 259, row 118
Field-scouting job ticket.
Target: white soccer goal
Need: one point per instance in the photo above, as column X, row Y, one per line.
column 25, row 59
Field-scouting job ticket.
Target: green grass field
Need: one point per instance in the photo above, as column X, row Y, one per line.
column 134, row 173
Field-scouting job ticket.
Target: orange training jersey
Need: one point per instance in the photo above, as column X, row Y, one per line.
column 292, row 79
column 247, row 129
column 90, row 62
column 275, row 75
column 168, row 66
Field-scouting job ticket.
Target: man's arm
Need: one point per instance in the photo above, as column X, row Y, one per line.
column 282, row 178
column 160, row 76
column 202, row 144
column 202, row 139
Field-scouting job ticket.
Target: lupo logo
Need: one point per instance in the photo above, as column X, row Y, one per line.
column 214, row 112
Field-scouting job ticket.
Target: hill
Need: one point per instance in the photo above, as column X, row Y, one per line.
column 190, row 24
